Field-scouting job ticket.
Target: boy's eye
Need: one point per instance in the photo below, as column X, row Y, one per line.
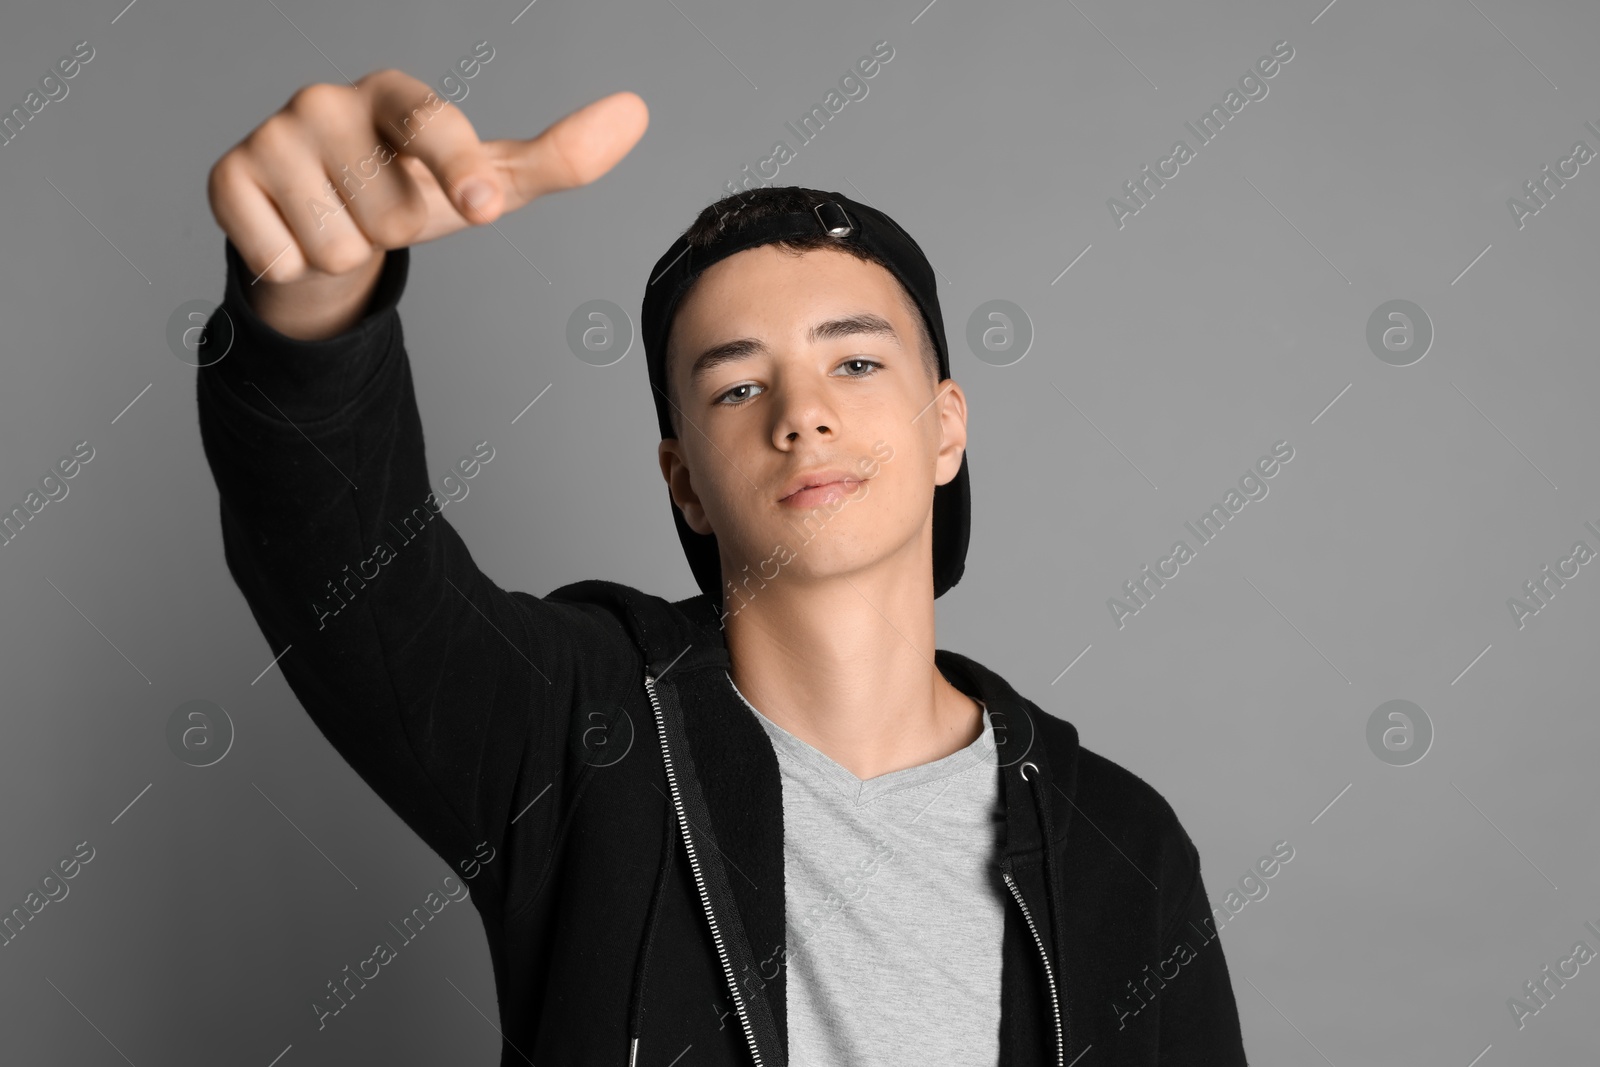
column 730, row 398
column 737, row 400
column 872, row 363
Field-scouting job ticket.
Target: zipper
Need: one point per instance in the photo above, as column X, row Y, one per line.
column 1049, row 972
column 700, row 885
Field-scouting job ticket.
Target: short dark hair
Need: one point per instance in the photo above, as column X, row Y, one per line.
column 733, row 213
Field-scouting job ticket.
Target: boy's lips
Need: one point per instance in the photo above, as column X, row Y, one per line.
column 818, row 487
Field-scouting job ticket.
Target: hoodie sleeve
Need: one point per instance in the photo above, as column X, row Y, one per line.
column 447, row 694
column 1199, row 1018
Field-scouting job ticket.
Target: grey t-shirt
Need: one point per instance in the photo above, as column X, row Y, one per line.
column 895, row 908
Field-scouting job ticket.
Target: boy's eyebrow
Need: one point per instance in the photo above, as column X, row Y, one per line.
column 865, row 322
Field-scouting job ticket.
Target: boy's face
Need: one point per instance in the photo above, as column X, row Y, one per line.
column 789, row 403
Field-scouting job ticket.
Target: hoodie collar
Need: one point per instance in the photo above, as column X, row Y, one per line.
column 732, row 809
column 1022, row 745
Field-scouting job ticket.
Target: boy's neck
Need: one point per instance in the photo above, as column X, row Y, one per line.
column 846, row 665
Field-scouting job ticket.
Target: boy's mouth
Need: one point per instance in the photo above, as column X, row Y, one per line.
column 819, row 487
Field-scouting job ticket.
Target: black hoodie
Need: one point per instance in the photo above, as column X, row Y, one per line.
column 635, row 907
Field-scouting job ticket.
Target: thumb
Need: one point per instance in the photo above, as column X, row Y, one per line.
column 572, row 151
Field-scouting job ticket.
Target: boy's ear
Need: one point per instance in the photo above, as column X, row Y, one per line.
column 680, row 485
column 951, row 405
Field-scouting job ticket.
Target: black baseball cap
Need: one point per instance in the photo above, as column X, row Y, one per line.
column 844, row 220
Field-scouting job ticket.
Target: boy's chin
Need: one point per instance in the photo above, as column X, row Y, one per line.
column 797, row 570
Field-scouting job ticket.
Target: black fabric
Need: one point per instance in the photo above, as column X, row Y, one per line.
column 738, row 879
column 676, row 271
column 464, row 707
column 669, row 849
column 1052, row 880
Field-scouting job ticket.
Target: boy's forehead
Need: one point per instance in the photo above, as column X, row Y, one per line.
column 740, row 291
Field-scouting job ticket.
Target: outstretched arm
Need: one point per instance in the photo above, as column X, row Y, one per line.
column 435, row 684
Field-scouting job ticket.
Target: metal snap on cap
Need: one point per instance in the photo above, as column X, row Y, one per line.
column 835, row 223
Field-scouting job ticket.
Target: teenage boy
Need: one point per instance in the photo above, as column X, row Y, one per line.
column 769, row 823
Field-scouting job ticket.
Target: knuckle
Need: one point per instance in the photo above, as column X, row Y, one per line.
column 274, row 137
column 318, row 99
column 342, row 254
column 379, row 76
column 225, row 175
column 272, row 266
column 396, row 227
column 389, row 82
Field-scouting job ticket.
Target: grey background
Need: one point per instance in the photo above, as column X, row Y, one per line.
column 1224, row 317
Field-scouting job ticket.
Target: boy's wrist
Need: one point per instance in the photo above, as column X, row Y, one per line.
column 304, row 378
column 318, row 306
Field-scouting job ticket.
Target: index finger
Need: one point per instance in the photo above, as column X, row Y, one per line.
column 414, row 119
